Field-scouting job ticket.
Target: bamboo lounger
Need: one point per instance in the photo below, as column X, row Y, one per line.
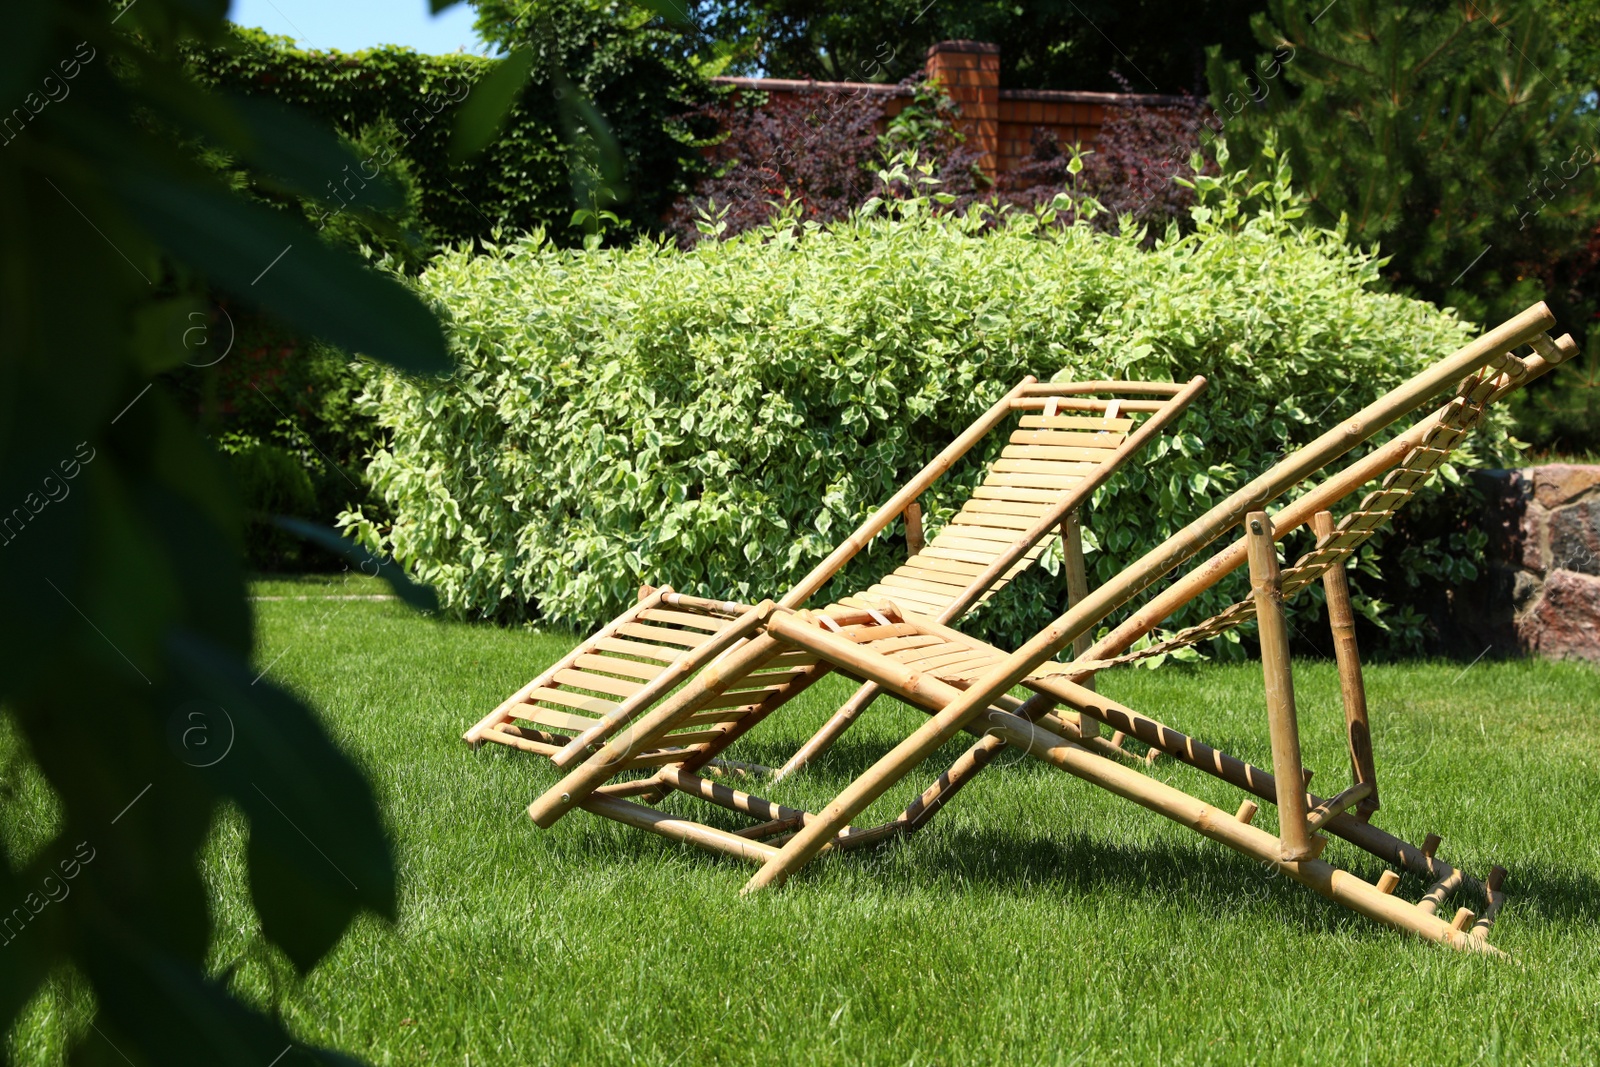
column 1072, row 437
column 963, row 684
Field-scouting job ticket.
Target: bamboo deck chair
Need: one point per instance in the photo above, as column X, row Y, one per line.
column 1071, row 438
column 964, row 684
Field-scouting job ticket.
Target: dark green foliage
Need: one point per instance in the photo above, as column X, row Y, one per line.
column 126, row 636
column 401, row 106
column 1044, row 44
column 1457, row 136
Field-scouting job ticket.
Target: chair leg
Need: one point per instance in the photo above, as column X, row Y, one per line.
column 1077, row 590
column 1267, row 584
column 1342, row 619
column 831, row 730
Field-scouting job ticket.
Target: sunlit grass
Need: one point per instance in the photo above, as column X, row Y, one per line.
column 1037, row 920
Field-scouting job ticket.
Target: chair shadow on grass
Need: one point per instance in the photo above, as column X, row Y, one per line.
column 1079, row 863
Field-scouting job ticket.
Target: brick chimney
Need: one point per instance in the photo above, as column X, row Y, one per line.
column 970, row 73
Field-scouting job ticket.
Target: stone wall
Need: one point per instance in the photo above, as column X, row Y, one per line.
column 1542, row 593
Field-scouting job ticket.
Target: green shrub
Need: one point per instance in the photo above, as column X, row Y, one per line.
column 718, row 419
column 399, row 106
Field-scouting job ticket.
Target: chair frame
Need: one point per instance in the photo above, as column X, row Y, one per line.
column 537, row 717
column 971, row 693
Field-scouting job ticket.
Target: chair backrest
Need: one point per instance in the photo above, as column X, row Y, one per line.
column 1405, row 465
column 1067, row 433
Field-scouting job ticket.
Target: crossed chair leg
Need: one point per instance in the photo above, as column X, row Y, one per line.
column 1035, row 728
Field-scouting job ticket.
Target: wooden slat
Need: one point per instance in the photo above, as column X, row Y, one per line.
column 511, row 740
column 703, row 718
column 948, row 658
column 637, row 648
column 965, row 555
column 631, row 667
column 691, row 737
column 998, row 491
column 968, row 538
column 567, row 698
column 962, row 667
column 600, row 683
column 564, row 720
column 1067, row 439
column 1074, row 422
column 868, row 634
column 897, row 644
column 739, row 699
column 914, row 655
column 664, row 634
column 1007, row 507
column 1054, row 468
column 657, row 759
column 999, row 534
column 955, row 568
column 685, row 618
column 955, row 581
column 911, row 597
column 1031, row 481
column 760, row 679
column 1072, row 454
column 907, row 581
column 994, row 520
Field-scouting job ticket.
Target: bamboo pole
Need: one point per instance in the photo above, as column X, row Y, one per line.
column 831, row 730
column 662, row 683
column 712, row 679
column 1217, row 824
column 1318, row 816
column 914, row 539
column 1234, row 771
column 728, row 797
column 474, row 736
column 1267, row 586
column 1493, row 898
column 694, row 833
column 875, row 523
column 1077, row 589
column 1440, row 891
column 1297, row 513
column 1346, row 653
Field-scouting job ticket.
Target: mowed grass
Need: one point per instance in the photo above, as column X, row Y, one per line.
column 1037, row 920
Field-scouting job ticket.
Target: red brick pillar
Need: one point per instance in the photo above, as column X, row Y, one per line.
column 970, row 73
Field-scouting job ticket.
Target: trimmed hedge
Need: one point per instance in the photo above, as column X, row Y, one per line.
column 407, row 102
column 717, row 419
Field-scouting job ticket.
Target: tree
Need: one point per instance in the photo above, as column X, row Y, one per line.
column 1462, row 138
column 1044, row 44
column 125, row 636
column 620, row 73
column 1452, row 134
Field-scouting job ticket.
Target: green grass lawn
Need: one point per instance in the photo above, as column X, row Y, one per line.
column 1037, row 920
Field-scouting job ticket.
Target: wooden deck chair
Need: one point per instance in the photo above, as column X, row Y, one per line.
column 1071, row 437
column 964, row 684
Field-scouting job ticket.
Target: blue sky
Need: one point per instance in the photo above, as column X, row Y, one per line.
column 349, row 25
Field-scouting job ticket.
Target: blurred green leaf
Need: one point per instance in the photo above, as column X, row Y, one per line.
column 318, row 849
column 420, row 597
column 488, row 104
column 259, row 254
